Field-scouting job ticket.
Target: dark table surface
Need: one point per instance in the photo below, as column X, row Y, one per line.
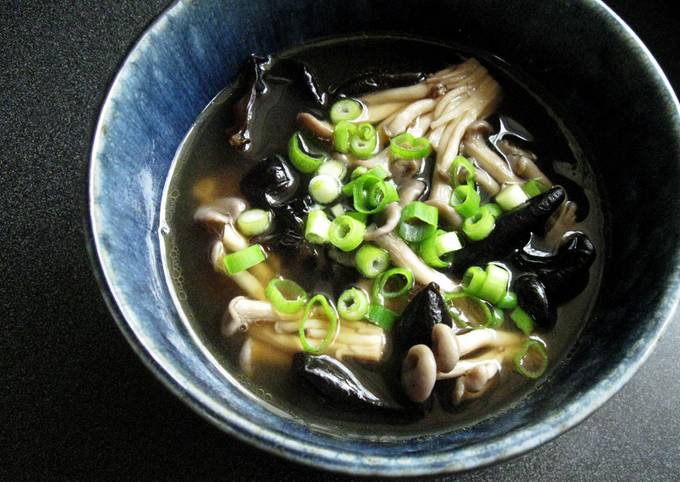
column 77, row 403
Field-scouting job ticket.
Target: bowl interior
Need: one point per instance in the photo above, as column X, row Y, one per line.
column 608, row 90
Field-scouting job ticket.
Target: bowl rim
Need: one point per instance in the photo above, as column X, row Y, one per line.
column 223, row 418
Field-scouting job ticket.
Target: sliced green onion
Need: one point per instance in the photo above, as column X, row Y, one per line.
column 324, row 188
column 463, row 308
column 447, row 243
column 479, row 225
column 331, row 331
column 371, row 260
column 383, row 286
column 377, row 172
column 363, row 148
column 318, row 227
column 493, row 208
column 465, row 200
column 473, row 280
column 366, row 131
column 252, row 222
column 298, row 153
column 337, row 210
column 342, row 134
column 286, row 296
column 509, row 301
column 462, row 172
column 334, row 168
column 381, row 316
column 346, row 233
column 405, row 146
column 532, row 359
column 428, row 251
column 523, row 320
column 372, row 195
column 418, row 221
column 358, row 172
column 244, row 259
column 361, row 217
column 353, row 304
column 495, row 284
column 511, row 196
column 345, row 110
column 534, row 187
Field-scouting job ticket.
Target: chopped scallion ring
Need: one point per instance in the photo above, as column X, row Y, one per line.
column 383, row 286
column 244, row 259
column 465, row 200
column 286, row 296
column 371, row 260
column 346, row 110
column 381, row 316
column 317, row 227
column 405, row 146
column 523, row 320
column 534, row 187
column 480, row 225
column 462, row 172
column 301, row 156
column 353, row 304
column 252, row 222
column 428, row 251
column 324, row 188
column 346, row 233
column 495, row 284
column 331, row 330
column 511, row 196
column 532, row 359
column 342, row 134
column 418, row 221
column 334, row 168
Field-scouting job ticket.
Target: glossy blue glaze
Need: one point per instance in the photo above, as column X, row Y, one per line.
column 607, row 84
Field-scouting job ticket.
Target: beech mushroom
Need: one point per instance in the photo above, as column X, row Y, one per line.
column 391, row 217
column 245, row 280
column 407, row 115
column 243, row 311
column 321, row 129
column 523, row 162
column 475, row 145
column 418, row 373
column 410, row 191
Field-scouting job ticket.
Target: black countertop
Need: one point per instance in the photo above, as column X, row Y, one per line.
column 75, row 400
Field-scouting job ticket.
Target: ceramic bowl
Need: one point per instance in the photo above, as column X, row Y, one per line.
column 608, row 86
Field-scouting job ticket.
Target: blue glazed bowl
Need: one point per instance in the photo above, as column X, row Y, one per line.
column 608, row 86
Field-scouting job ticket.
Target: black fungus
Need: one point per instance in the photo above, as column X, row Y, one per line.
column 271, row 183
column 249, row 86
column 336, row 383
column 414, row 326
column 532, row 297
column 375, row 81
column 512, row 231
column 300, row 74
column 565, row 274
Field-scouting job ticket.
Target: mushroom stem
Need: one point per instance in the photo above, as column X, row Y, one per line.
column 486, row 182
column 408, row 115
column 380, row 111
column 404, row 257
column 243, row 312
column 410, row 191
column 464, row 366
column 522, row 162
column 397, row 95
column 392, row 215
column 476, row 382
column 381, row 159
column 358, row 327
column 319, row 128
column 440, row 195
column 420, row 126
column 475, row 145
column 485, row 337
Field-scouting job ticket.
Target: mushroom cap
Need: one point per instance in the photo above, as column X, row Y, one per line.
column 418, row 373
column 444, row 347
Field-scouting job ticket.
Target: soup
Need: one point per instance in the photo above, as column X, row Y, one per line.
column 383, row 232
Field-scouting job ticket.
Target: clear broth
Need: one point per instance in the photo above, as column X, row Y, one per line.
column 202, row 295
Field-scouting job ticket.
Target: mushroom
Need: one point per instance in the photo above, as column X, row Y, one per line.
column 379, row 112
column 243, row 312
column 404, row 169
column 475, row 145
column 381, row 159
column 420, row 125
column 271, row 183
column 440, row 195
column 418, row 373
column 512, row 231
column 403, row 256
column 523, row 162
column 486, row 182
column 444, row 347
column 410, row 191
column 465, row 365
column 391, row 216
column 476, row 382
column 408, row 115
column 321, row 129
